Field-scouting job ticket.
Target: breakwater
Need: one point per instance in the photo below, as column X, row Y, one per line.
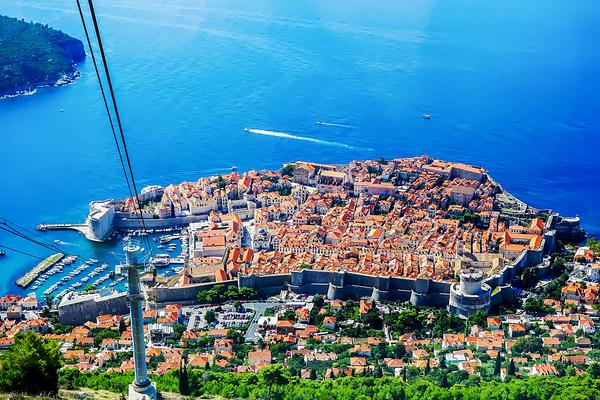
column 30, row 276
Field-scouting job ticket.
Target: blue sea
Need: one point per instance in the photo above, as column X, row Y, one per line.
column 511, row 85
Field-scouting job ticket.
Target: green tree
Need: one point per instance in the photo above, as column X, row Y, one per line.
column 289, row 315
column 31, row 365
column 89, row 287
column 405, row 321
column 210, row 316
column 178, row 330
column 49, row 301
column 443, row 381
column 232, row 293
column 318, row 301
column 184, row 383
column 377, row 372
column 288, row 170
column 247, row 293
column 594, row 370
column 397, row 350
column 511, row 370
column 101, row 334
column 536, row 304
column 479, row 318
column 273, row 375
column 528, row 344
column 498, row 364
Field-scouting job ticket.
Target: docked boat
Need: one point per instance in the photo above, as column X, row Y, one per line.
column 161, row 260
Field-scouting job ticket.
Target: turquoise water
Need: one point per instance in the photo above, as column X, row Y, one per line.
column 511, row 85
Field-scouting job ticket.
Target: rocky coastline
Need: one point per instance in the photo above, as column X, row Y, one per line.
column 34, row 56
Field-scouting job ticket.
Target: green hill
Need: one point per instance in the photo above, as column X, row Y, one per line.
column 32, row 54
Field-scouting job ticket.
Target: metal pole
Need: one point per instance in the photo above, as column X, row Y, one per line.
column 141, row 383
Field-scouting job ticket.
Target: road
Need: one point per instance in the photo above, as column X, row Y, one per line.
column 259, row 310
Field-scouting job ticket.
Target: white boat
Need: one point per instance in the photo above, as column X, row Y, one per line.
column 161, row 260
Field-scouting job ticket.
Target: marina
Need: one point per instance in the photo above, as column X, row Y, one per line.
column 66, row 274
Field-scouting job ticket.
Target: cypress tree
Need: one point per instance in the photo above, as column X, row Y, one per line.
column 511, row 368
column 498, row 364
column 444, row 379
column 378, row 372
column 184, row 383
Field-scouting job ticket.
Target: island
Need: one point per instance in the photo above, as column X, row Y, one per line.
column 34, row 55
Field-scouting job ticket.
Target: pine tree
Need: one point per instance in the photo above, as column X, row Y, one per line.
column 427, row 368
column 404, row 374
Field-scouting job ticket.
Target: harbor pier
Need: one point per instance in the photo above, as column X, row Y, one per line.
column 81, row 228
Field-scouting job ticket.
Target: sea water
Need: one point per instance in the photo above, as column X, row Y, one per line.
column 510, row 85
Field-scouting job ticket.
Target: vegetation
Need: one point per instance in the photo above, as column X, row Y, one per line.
column 221, row 293
column 31, row 365
column 528, row 344
column 100, row 334
column 89, row 288
column 561, row 270
column 288, row 170
column 32, row 54
column 275, row 382
column 594, row 245
column 536, row 304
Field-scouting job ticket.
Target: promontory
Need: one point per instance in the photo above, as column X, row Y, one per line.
column 34, row 55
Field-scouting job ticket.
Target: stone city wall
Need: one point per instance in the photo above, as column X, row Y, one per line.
column 160, row 295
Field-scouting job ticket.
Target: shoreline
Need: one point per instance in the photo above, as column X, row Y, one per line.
column 68, row 78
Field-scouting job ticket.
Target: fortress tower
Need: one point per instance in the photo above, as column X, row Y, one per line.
column 470, row 295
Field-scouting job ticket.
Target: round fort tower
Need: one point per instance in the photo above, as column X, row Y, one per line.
column 470, row 294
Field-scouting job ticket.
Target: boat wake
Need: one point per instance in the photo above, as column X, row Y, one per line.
column 296, row 137
column 334, row 124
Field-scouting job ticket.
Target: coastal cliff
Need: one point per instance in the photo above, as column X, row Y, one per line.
column 34, row 55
